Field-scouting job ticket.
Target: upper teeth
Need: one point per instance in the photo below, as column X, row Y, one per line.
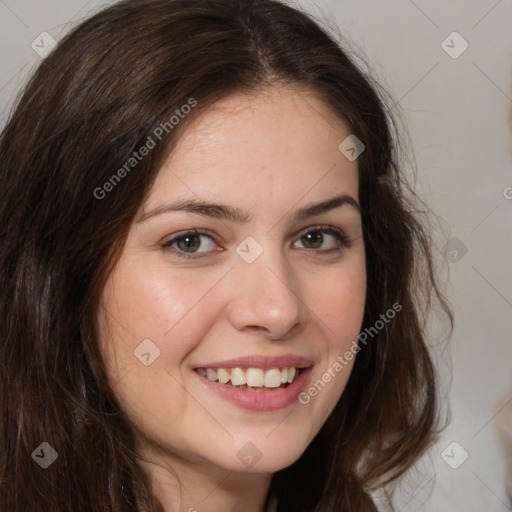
column 254, row 377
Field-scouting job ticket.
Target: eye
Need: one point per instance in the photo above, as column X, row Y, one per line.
column 316, row 236
column 187, row 243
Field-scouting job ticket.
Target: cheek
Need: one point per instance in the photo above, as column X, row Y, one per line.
column 151, row 302
column 170, row 309
column 141, row 309
column 338, row 300
column 146, row 302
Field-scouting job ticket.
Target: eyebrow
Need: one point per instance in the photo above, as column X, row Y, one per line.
column 223, row 212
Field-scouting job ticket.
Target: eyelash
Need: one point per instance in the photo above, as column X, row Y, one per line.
column 343, row 240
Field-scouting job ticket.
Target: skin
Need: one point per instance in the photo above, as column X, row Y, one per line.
column 268, row 154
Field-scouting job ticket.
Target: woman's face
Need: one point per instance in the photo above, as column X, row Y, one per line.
column 272, row 283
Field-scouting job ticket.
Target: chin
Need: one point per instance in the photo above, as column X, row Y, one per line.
column 266, row 455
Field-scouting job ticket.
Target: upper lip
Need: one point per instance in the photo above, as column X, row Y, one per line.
column 259, row 361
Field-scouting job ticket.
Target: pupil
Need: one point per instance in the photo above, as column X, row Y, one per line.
column 187, row 242
column 314, row 234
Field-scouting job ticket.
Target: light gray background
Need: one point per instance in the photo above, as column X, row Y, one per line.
column 457, row 112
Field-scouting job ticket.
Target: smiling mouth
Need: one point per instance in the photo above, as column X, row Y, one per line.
column 252, row 379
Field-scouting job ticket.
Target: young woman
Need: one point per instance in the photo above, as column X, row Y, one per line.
column 213, row 284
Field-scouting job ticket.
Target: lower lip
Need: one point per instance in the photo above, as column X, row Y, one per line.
column 268, row 400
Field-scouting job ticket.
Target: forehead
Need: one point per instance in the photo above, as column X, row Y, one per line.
column 272, row 143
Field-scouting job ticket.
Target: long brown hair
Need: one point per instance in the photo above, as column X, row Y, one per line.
column 94, row 101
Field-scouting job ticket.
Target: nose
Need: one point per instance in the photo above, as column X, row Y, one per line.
column 265, row 297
